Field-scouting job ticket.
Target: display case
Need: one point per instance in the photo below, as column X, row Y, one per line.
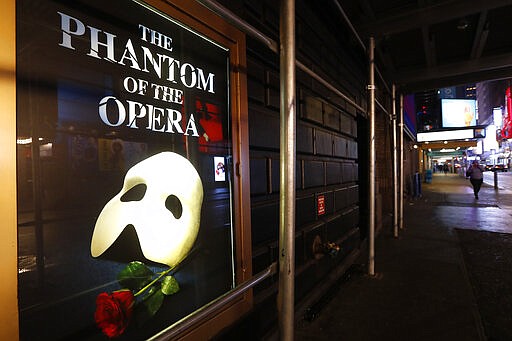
column 132, row 168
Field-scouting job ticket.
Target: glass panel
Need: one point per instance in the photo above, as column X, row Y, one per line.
column 124, row 154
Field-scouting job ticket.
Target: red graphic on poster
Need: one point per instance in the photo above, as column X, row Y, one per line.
column 210, row 121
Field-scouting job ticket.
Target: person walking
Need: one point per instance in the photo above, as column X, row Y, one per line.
column 476, row 176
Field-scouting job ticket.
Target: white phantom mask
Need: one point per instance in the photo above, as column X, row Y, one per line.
column 166, row 217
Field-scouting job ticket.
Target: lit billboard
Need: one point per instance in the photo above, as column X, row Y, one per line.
column 449, row 135
column 134, row 198
column 458, row 113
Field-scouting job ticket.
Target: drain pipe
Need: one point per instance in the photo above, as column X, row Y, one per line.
column 401, row 197
column 286, row 291
column 371, row 88
column 395, row 165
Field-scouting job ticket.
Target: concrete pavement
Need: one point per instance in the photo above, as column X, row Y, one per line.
column 422, row 289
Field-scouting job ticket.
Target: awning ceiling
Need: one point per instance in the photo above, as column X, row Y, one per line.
column 427, row 44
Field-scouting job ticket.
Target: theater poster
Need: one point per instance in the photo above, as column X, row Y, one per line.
column 124, row 170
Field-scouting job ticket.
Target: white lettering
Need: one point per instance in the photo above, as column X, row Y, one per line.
column 191, row 126
column 129, row 54
column 133, row 85
column 172, row 67
column 156, row 123
column 102, row 110
column 95, row 44
column 205, row 84
column 167, row 43
column 157, row 65
column 65, row 26
column 102, row 45
column 174, row 119
column 130, row 84
column 157, row 38
column 165, row 93
column 143, row 85
column 132, row 113
column 192, row 75
column 154, row 118
column 144, row 30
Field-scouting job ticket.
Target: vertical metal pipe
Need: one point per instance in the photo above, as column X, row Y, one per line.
column 395, row 165
column 285, row 299
column 401, row 197
column 371, row 88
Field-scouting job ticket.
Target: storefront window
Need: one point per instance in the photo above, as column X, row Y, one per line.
column 124, row 170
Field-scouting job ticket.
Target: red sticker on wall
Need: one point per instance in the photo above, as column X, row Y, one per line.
column 320, row 205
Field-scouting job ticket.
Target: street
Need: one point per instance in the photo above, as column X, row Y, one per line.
column 504, row 179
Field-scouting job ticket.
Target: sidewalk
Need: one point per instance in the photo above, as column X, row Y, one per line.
column 445, row 278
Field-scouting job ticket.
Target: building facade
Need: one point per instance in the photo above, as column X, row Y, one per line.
column 99, row 97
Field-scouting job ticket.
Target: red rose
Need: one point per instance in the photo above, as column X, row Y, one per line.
column 113, row 312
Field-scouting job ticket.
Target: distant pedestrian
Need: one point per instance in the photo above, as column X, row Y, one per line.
column 476, row 176
column 445, row 168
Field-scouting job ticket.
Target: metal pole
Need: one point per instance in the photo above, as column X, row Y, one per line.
column 371, row 88
column 401, row 197
column 286, row 293
column 395, row 166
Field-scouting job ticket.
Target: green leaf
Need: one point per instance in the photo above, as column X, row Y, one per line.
column 170, row 285
column 135, row 276
column 150, row 303
column 154, row 301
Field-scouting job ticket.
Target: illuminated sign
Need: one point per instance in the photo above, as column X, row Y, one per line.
column 506, row 130
column 458, row 113
column 134, row 109
column 460, row 134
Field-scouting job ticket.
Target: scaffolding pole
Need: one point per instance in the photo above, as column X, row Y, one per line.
column 401, row 198
column 286, row 292
column 371, row 114
column 395, row 165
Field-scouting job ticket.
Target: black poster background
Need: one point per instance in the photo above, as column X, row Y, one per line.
column 76, row 163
